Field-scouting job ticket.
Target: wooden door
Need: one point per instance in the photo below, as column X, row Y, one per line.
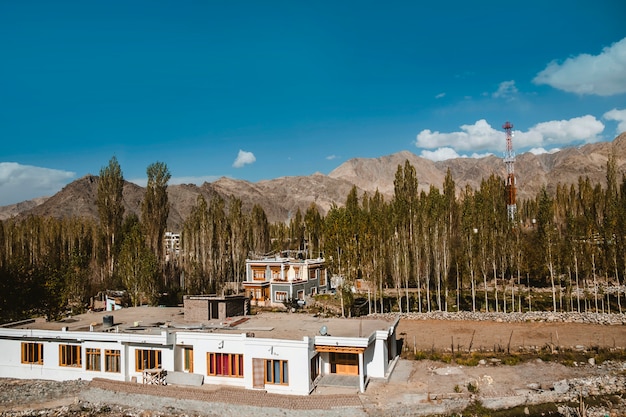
column 344, row 363
column 258, row 373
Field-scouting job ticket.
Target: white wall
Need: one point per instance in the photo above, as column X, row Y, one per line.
column 11, row 348
column 298, row 353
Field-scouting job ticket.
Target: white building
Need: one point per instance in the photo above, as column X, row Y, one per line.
column 278, row 353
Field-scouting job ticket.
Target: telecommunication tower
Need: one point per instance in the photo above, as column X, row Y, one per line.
column 509, row 162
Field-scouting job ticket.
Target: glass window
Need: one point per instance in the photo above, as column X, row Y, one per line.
column 147, row 359
column 92, row 357
column 69, row 355
column 276, row 372
column 225, row 364
column 112, row 360
column 32, row 353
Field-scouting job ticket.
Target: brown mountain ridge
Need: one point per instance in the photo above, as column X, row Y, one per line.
column 282, row 197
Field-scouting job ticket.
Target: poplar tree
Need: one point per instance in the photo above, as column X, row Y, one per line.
column 155, row 208
column 110, row 209
column 545, row 233
column 138, row 265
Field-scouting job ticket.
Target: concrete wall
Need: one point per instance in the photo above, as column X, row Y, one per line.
column 196, row 310
column 202, row 308
column 296, row 352
column 11, row 347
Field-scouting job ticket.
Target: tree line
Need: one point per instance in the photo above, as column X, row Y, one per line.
column 432, row 250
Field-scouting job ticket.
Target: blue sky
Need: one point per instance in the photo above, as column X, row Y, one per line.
column 263, row 89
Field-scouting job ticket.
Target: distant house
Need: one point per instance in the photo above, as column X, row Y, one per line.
column 171, row 243
column 272, row 281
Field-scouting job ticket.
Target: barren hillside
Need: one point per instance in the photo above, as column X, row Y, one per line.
column 281, row 197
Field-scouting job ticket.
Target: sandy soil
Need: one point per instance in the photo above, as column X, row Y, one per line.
column 423, row 335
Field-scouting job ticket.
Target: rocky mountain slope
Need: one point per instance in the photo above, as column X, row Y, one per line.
column 281, row 197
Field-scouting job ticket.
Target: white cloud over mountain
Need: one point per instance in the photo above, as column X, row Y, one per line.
column 482, row 137
column 602, row 75
column 24, row 182
column 479, row 136
column 619, row 116
column 244, row 158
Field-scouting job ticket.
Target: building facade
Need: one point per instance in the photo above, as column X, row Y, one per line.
column 272, row 281
column 248, row 357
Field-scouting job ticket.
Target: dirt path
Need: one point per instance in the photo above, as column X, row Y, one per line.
column 440, row 334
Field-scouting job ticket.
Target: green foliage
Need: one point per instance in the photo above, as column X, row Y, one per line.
column 110, row 209
column 473, row 388
column 155, row 207
column 423, row 250
column 138, row 265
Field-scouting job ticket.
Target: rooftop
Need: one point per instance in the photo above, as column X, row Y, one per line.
column 153, row 320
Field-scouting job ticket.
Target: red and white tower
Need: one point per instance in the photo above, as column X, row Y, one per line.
column 509, row 162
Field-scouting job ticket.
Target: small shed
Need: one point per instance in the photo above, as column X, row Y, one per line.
column 212, row 307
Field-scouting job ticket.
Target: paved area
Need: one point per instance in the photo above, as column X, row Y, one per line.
column 233, row 396
column 334, row 380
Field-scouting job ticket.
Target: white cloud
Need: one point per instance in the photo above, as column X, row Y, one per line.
column 440, row 95
column 331, row 157
column 199, row 180
column 583, row 129
column 244, row 158
column 619, row 116
column 445, row 153
column 479, row 136
column 440, row 154
column 482, row 137
column 602, row 75
column 24, row 182
column 506, row 90
column 539, row 151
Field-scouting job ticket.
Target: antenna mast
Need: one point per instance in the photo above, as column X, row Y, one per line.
column 509, row 162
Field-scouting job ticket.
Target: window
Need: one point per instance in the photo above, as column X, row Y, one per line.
column 92, row 359
column 112, row 360
column 259, row 274
column 276, row 372
column 147, row 359
column 69, row 355
column 322, row 277
column 300, row 294
column 225, row 364
column 188, row 359
column 32, row 353
column 277, row 274
column 281, row 295
column 315, row 367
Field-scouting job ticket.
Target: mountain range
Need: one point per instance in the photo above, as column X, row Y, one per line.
column 282, row 197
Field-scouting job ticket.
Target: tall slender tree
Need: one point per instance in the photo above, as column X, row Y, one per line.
column 110, row 209
column 155, row 208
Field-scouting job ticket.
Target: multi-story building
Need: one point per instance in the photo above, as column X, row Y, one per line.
column 272, row 281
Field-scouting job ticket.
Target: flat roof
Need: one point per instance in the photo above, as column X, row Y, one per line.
column 153, row 320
